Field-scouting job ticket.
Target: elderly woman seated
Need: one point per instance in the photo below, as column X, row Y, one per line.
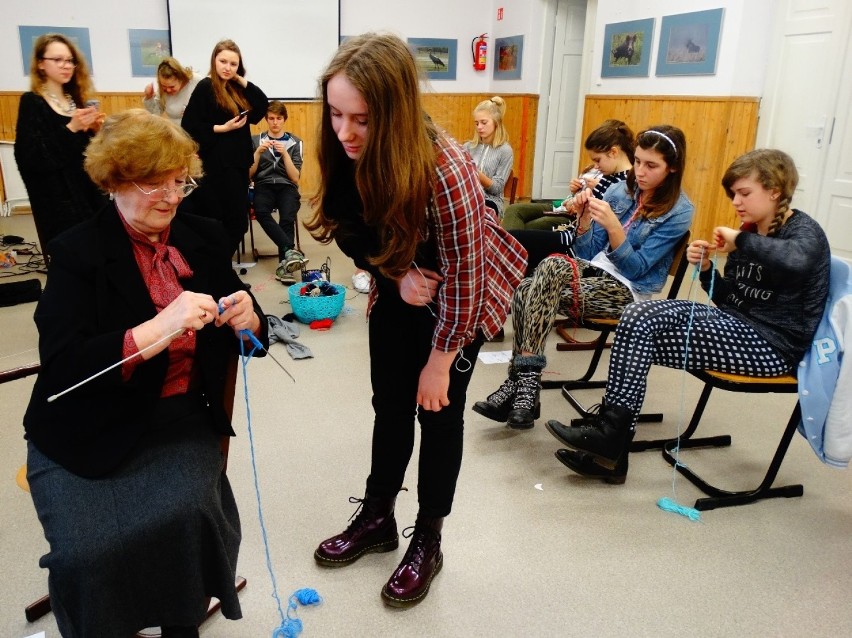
column 126, row 470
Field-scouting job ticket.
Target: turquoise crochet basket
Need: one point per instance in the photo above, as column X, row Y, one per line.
column 308, row 309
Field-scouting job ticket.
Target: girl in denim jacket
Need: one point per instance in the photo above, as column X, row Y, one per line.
column 623, row 251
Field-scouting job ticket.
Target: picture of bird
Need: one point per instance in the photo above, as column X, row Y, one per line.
column 439, row 64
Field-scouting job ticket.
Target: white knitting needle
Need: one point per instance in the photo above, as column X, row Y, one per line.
column 53, row 397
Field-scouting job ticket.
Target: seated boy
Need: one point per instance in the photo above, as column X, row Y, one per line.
column 275, row 171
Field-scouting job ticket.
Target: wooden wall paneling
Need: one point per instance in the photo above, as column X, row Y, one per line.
column 717, row 131
column 453, row 112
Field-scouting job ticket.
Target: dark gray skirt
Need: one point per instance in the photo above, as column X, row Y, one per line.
column 146, row 545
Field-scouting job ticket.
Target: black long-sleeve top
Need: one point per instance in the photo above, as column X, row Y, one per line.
column 50, row 160
column 233, row 148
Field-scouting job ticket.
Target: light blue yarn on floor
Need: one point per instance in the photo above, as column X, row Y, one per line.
column 290, row 627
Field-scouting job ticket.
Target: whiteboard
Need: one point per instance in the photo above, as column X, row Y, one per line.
column 286, row 44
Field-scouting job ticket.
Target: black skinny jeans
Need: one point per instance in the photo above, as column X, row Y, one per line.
column 285, row 198
column 400, row 343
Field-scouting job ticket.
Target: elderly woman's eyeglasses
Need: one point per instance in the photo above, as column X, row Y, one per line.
column 60, row 62
column 162, row 192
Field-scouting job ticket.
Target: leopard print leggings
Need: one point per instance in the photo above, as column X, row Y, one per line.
column 572, row 287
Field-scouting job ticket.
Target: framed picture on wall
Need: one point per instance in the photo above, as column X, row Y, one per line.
column 148, row 47
column 689, row 43
column 435, row 57
column 508, row 57
column 78, row 35
column 627, row 49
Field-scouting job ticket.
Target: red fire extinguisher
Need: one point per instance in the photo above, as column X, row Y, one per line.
column 479, row 50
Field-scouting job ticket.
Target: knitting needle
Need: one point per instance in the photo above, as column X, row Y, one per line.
column 255, row 342
column 53, row 397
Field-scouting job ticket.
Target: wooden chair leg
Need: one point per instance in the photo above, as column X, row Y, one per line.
column 37, row 609
column 41, row 607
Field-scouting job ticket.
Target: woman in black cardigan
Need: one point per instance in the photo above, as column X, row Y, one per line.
column 126, row 471
column 53, row 130
column 217, row 117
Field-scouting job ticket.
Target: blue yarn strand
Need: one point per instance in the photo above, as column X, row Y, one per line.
column 290, row 627
column 669, row 504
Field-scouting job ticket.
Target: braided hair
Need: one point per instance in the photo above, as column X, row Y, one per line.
column 772, row 169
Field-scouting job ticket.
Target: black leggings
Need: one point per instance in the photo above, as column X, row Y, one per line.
column 665, row 332
column 400, row 344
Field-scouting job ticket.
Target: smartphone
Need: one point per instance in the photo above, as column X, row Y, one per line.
column 242, row 113
column 94, row 103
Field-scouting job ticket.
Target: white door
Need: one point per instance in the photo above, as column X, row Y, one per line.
column 834, row 205
column 802, row 102
column 560, row 164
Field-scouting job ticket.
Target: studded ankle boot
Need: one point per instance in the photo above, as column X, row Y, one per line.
column 373, row 529
column 498, row 404
column 526, row 407
column 410, row 583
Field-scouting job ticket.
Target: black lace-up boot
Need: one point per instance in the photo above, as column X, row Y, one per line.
column 498, row 404
column 526, row 407
column 373, row 529
column 409, row 584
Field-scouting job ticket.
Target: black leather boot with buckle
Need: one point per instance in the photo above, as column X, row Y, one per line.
column 373, row 529
column 409, row 584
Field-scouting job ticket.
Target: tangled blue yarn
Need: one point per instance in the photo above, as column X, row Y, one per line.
column 292, row 627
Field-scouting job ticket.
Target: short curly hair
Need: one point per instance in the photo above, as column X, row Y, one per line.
column 135, row 145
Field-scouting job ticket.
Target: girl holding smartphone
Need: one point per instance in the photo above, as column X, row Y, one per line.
column 217, row 117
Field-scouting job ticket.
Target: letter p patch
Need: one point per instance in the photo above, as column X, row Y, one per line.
column 824, row 347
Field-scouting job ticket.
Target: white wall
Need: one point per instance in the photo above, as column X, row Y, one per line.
column 740, row 65
column 463, row 21
column 108, row 22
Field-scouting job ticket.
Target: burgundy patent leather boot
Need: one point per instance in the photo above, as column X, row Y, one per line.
column 409, row 584
column 373, row 529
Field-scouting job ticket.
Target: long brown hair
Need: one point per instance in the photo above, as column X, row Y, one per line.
column 79, row 87
column 772, row 169
column 395, row 172
column 229, row 95
column 670, row 142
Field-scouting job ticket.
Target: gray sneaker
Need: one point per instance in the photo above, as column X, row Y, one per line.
column 293, row 260
column 283, row 275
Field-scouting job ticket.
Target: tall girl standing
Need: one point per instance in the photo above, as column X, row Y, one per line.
column 55, row 124
column 491, row 151
column 217, row 117
column 403, row 200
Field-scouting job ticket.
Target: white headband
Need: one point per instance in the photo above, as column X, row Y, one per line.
column 665, row 137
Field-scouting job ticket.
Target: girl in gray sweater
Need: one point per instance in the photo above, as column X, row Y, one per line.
column 491, row 151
